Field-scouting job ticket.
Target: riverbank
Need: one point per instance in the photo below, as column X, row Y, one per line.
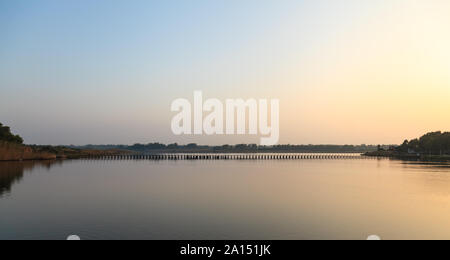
column 408, row 156
column 19, row 152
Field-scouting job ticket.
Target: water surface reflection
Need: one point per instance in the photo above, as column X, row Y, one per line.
column 292, row 199
column 13, row 172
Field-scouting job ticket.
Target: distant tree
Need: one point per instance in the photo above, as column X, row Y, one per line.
column 155, row 146
column 7, row 136
column 192, row 145
column 435, row 143
column 414, row 145
column 138, row 147
column 173, row 146
column 404, row 147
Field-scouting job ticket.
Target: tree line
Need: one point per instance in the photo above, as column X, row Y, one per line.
column 239, row 148
column 434, row 143
column 7, row 136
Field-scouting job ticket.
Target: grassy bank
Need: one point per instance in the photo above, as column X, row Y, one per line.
column 63, row 152
column 19, row 152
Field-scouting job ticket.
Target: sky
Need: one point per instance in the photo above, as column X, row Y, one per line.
column 106, row 71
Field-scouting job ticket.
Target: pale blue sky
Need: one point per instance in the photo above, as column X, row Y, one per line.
column 106, row 71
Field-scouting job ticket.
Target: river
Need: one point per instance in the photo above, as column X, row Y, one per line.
column 225, row 199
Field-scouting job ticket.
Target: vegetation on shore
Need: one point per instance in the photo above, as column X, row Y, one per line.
column 18, row 152
column 7, row 136
column 431, row 146
column 13, row 149
column 435, row 143
column 62, row 152
column 240, row 148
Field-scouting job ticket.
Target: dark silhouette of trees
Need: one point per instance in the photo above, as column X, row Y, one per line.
column 172, row 146
column 434, row 143
column 7, row 136
column 238, row 148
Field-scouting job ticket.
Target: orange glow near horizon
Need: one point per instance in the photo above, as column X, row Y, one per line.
column 345, row 72
column 382, row 83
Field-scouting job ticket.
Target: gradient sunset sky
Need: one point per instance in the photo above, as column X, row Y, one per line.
column 106, row 71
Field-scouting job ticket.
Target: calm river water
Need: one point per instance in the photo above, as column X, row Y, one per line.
column 304, row 199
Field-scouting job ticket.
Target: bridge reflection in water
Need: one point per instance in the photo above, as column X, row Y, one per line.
column 229, row 157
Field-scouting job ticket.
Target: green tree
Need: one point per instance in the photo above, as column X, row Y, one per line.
column 7, row 136
column 435, row 143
